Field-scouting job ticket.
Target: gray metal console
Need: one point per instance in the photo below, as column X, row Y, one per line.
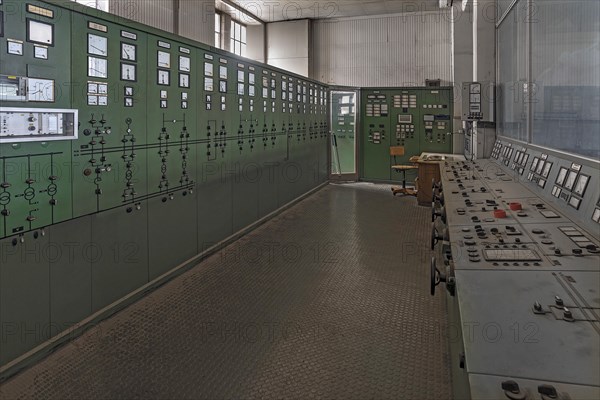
column 517, row 246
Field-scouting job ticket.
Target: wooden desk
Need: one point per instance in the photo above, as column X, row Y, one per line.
column 428, row 171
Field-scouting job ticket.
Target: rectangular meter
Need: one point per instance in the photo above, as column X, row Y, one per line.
column 37, row 125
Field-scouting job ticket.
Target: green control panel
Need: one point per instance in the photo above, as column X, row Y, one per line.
column 149, row 108
column 125, row 152
column 417, row 118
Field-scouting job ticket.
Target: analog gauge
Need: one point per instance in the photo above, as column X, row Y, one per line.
column 241, row 76
column 184, row 96
column 475, row 88
column 128, row 91
column 103, row 88
column 184, row 105
column 184, row 80
column 570, row 182
column 163, row 94
column 534, row 163
column 40, row 32
column 581, row 185
column 251, row 91
column 251, row 78
column 102, row 100
column 273, row 83
column 209, row 85
column 128, row 72
column 163, row 104
column 40, row 52
column 128, row 52
column 223, row 86
column 97, row 45
column 273, row 94
column 184, row 64
column 547, row 169
column 164, row 77
column 208, row 69
column 223, row 72
column 97, row 67
column 241, row 89
column 15, row 48
column 92, row 100
column 92, row 88
column 128, row 102
column 562, row 174
column 540, row 167
column 164, row 59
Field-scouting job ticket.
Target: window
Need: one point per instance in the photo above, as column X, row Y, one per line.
column 218, row 30
column 548, row 80
column 99, row 4
column 238, row 38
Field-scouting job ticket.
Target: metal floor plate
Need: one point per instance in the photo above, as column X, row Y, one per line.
column 328, row 300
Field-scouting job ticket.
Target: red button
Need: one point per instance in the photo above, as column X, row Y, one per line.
column 516, row 206
column 499, row 214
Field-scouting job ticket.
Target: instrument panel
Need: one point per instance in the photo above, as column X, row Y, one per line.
column 517, row 246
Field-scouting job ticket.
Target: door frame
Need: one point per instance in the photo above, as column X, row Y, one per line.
column 354, row 177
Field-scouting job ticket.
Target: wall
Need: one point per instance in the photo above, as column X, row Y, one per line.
column 289, row 45
column 391, row 50
column 255, row 42
column 195, row 17
column 197, row 20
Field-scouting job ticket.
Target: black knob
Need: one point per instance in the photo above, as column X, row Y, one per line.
column 5, row 212
column 548, row 391
column 511, row 386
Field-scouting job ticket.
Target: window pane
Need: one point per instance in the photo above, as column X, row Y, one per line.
column 238, row 49
column 217, row 23
column 512, row 77
column 565, row 72
column 243, row 50
column 238, row 35
column 217, row 40
column 243, row 34
column 231, row 45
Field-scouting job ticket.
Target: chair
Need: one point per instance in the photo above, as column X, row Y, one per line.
column 398, row 151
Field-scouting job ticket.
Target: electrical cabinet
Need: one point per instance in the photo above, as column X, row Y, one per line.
column 417, row 118
column 146, row 134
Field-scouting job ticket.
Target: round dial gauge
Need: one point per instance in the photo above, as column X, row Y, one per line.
column 97, row 67
column 97, row 45
column 571, row 180
column 184, row 64
column 40, row 52
column 163, row 77
column 128, row 52
column 164, row 59
column 581, row 185
column 15, row 48
column 128, row 72
column 184, row 80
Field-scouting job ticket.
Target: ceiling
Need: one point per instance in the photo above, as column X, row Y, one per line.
column 282, row 10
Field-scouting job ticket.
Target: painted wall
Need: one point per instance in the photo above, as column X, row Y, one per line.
column 289, row 45
column 385, row 50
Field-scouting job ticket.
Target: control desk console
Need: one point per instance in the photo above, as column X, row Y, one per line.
column 517, row 246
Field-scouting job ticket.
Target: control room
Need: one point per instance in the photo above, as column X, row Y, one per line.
column 300, row 199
